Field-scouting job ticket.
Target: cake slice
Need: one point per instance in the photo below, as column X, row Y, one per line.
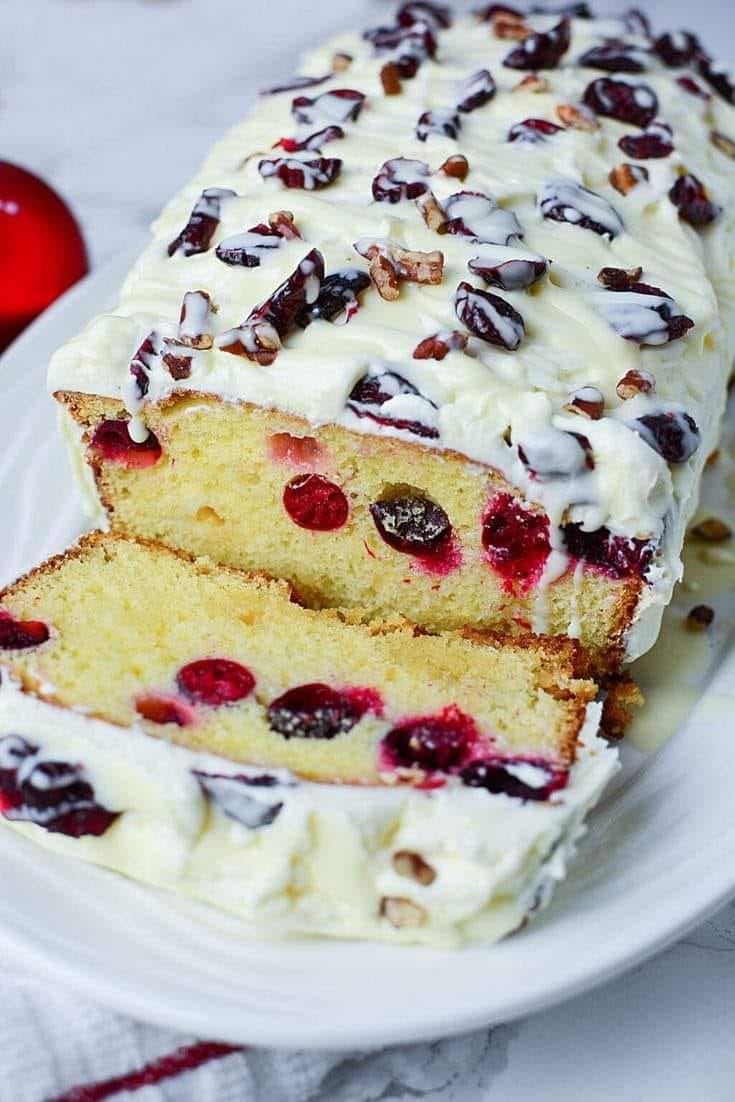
column 197, row 728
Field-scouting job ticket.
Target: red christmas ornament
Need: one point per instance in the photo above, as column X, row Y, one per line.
column 42, row 250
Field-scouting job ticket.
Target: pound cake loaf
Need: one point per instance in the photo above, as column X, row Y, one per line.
column 163, row 717
column 442, row 329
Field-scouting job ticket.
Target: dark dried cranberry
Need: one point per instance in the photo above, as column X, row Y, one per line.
column 111, row 440
column 412, row 524
column 314, row 142
column 690, row 197
column 477, row 216
column 230, row 793
column 509, row 275
column 674, row 435
column 543, row 50
column 162, row 708
column 438, row 742
column 315, row 503
column 719, row 77
column 401, row 178
column 636, row 22
column 622, row 100
column 655, row 141
column 521, row 778
column 615, row 56
column 308, row 175
column 14, row 751
column 315, row 711
column 296, row 84
column 340, row 105
column 516, row 540
column 246, row 249
column 533, row 130
column 618, row 555
column 690, row 85
column 476, row 91
column 566, row 201
column 442, row 121
column 371, row 393
column 489, row 317
column 629, row 309
column 21, row 634
column 420, row 11
column 410, row 46
column 197, row 234
column 552, row 453
column 338, row 294
column 575, row 10
column 678, row 48
column 294, row 297
column 141, row 364
column 215, row 681
column 55, row 795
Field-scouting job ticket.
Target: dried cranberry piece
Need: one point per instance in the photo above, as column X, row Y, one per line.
column 197, row 234
column 690, row 85
column 307, row 175
column 690, row 197
column 718, row 77
column 419, row 11
column 246, row 249
column 314, row 142
column 619, row 556
column 229, row 792
column 315, row 711
column 674, row 435
column 476, row 91
column 567, row 201
column 111, row 440
column 215, row 681
column 370, row 394
column 442, row 121
column 655, row 141
column 162, row 708
column 409, row 45
column 636, row 22
column 678, row 48
column 296, row 84
column 315, row 503
column 506, row 775
column 509, row 275
column 489, row 317
column 339, row 293
column 294, row 297
column 516, row 541
column 141, row 364
column 401, row 178
column 615, row 56
column 552, row 453
column 478, row 217
column 340, row 105
column 639, row 320
column 543, row 50
column 433, row 743
column 622, row 100
column 21, row 634
column 533, row 130
column 14, row 751
column 412, row 524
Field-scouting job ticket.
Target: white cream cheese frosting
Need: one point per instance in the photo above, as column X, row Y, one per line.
column 294, row 857
column 483, row 396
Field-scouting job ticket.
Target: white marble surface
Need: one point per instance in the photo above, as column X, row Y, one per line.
column 115, row 102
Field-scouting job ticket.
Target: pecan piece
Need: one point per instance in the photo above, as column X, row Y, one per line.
column 588, row 401
column 440, row 345
column 619, row 279
column 432, row 212
column 340, row 62
column 531, row 82
column 625, row 177
column 712, row 530
column 577, row 116
column 255, row 340
column 195, row 320
column 390, row 263
column 510, row 27
column 699, row 618
column 723, row 143
column 384, row 275
column 390, row 78
column 413, row 865
column 457, row 166
column 282, row 221
column 402, row 913
column 635, row 382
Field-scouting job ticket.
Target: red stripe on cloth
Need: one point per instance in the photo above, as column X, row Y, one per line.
column 183, row 1059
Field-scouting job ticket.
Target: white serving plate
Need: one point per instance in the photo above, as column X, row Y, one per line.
column 659, row 857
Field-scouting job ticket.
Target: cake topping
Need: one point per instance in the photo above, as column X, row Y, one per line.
column 692, row 200
column 588, row 401
column 625, row 177
column 510, row 275
column 623, row 100
column 247, row 249
column 195, row 320
column 432, row 212
column 399, row 179
column 215, row 681
column 197, row 234
column 230, row 793
column 442, row 121
column 615, row 56
column 409, row 45
column 475, row 91
column 391, row 264
column 338, row 298
column 456, row 166
column 312, row 142
column 673, row 434
column 521, row 778
column 693, row 87
column 412, row 524
column 719, row 77
column 478, row 217
column 577, row 116
column 318, row 711
column 550, row 453
column 390, row 78
column 637, row 311
column 296, row 83
column 635, row 382
column 412, row 865
column 723, row 143
column 424, row 11
column 532, row 82
column 655, row 141
column 21, row 634
column 340, row 105
column 440, row 345
column 489, row 317
column 388, row 399
column 678, row 48
column 315, row 503
column 568, row 201
column 543, row 50
column 533, row 131
column 309, row 175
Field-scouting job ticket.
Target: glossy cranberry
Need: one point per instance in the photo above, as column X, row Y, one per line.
column 566, row 201
column 693, row 87
column 313, row 142
column 617, row 555
column 215, row 681
column 533, row 130
column 551, row 453
column 315, row 711
column 339, row 294
column 246, row 250
column 409, row 45
column 162, row 708
column 672, row 434
column 341, row 105
column 615, row 56
column 297, row 83
column 654, row 142
column 505, row 775
column 442, row 121
column 718, row 77
column 111, row 440
column 642, row 320
column 229, row 791
column 636, row 104
column 477, row 216
column 516, row 541
column 636, row 22
column 418, row 11
column 314, row 502
column 433, row 743
column 399, row 179
column 21, row 634
column 141, row 364
column 476, row 91
column 370, row 394
column 292, row 299
column 412, row 524
column 690, row 197
column 489, row 317
column 509, row 275
column 308, row 175
column 543, row 50
column 197, row 234
column 678, row 49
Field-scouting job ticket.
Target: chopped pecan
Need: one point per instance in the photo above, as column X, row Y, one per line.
column 508, row 26
column 712, row 530
column 407, row 863
column 255, row 340
column 384, row 275
column 402, row 913
column 282, row 221
column 577, row 116
column 457, row 166
column 432, row 212
column 723, row 143
column 587, row 401
column 340, row 62
column 635, row 382
column 178, row 364
column 390, row 263
column 390, row 78
column 418, row 267
column 619, row 279
column 699, row 618
column 625, row 177
column 195, row 320
column 440, row 345
column 531, row 82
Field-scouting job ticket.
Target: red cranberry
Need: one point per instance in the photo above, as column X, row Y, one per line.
column 14, row 750
column 409, row 45
column 477, row 216
column 637, row 23
column 516, row 540
column 566, row 201
column 442, row 121
column 341, row 105
column 371, row 393
column 551, row 453
column 637, row 317
column 615, row 56
column 141, row 364
column 315, row 711
column 308, row 175
column 339, row 294
column 111, row 440
column 476, row 91
column 160, row 708
column 230, row 793
column 617, row 555
column 690, row 197
column 718, row 77
column 424, row 11
column 313, row 142
column 510, row 275
column 411, row 524
column 293, row 298
column 693, row 87
column 197, row 234
column 678, row 49
column 215, row 681
column 533, row 131
column 315, row 503
column 297, row 83
column 21, row 634
column 654, row 142
column 440, row 742
column 543, row 50
column 622, row 100
column 399, row 179
column 506, row 775
column 489, row 317
column 246, row 250
column 672, row 434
